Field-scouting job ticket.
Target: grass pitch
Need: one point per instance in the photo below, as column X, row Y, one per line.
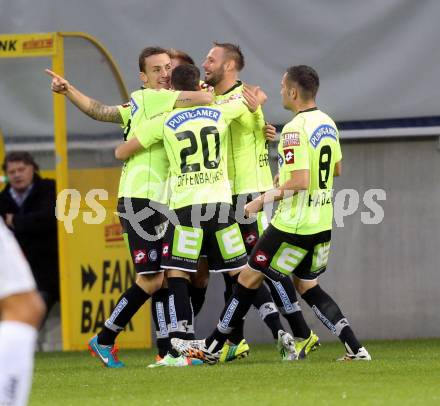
column 401, row 373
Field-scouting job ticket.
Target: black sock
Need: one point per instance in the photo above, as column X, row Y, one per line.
column 179, row 307
column 238, row 333
column 159, row 310
column 331, row 316
column 197, row 298
column 232, row 314
column 190, row 335
column 230, row 285
column 128, row 304
column 284, row 295
column 268, row 311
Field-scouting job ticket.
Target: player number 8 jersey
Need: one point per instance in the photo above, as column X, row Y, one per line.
column 310, row 141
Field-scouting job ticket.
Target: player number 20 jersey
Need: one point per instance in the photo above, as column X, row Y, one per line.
column 195, row 142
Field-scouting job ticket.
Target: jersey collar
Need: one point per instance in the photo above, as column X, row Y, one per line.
column 307, row 110
column 237, row 84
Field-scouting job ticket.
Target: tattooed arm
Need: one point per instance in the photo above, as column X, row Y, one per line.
column 92, row 108
column 101, row 112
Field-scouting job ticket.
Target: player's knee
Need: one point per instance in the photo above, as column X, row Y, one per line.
column 302, row 286
column 26, row 307
column 150, row 283
column 199, row 281
column 250, row 279
column 36, row 309
column 39, row 309
column 176, row 273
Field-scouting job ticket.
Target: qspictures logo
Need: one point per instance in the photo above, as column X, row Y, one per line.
column 346, row 202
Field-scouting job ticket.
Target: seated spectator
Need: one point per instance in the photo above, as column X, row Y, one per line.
column 27, row 205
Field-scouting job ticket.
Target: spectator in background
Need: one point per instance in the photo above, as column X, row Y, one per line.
column 27, row 205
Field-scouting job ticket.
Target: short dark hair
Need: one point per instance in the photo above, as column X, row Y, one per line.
column 183, row 56
column 185, row 77
column 146, row 52
column 307, row 79
column 20, row 156
column 232, row 52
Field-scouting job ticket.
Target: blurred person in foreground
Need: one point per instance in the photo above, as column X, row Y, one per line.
column 21, row 312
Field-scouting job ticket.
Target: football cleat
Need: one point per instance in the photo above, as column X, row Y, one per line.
column 108, row 354
column 232, row 352
column 180, row 361
column 304, row 346
column 286, row 346
column 361, row 355
column 195, row 349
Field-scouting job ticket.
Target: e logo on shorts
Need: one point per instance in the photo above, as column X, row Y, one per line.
column 262, row 222
column 230, row 242
column 320, row 256
column 287, row 258
column 187, row 242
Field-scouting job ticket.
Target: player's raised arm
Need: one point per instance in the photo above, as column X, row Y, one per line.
column 246, row 110
column 87, row 105
column 253, row 117
column 254, row 97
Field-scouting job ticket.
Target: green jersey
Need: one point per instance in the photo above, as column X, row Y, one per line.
column 144, row 175
column 125, row 112
column 310, row 141
column 248, row 156
column 196, row 145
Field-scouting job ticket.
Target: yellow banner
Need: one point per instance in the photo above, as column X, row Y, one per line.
column 98, row 269
column 27, row 45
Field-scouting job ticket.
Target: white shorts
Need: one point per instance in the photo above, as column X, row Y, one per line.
column 15, row 274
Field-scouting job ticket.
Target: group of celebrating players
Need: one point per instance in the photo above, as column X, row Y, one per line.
column 194, row 183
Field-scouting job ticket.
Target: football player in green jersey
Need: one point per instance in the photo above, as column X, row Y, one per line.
column 297, row 241
column 195, row 142
column 250, row 175
column 142, row 185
